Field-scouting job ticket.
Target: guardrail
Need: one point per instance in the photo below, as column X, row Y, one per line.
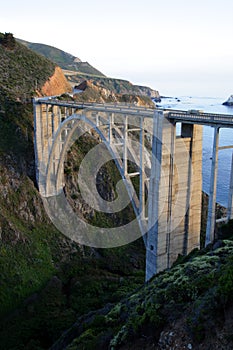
column 201, row 118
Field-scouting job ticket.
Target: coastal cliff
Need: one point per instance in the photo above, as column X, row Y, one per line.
column 114, row 86
column 94, row 91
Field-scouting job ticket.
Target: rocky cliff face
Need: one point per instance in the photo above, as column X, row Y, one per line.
column 115, row 86
column 150, row 93
column 96, row 92
column 56, row 84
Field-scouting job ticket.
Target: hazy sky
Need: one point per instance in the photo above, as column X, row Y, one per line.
column 177, row 47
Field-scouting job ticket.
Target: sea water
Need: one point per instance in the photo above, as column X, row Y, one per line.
column 213, row 105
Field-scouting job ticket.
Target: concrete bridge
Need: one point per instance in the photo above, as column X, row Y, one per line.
column 169, row 166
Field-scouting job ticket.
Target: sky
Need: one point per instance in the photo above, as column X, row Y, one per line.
column 177, row 47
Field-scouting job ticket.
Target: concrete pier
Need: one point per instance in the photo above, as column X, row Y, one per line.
column 174, row 194
column 213, row 186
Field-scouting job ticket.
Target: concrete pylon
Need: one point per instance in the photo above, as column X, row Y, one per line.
column 175, row 191
column 213, row 186
column 230, row 196
column 158, row 193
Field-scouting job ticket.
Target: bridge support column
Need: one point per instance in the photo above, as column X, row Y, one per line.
column 125, row 149
column 174, row 193
column 142, row 171
column 153, row 210
column 230, row 196
column 110, row 122
column 212, row 195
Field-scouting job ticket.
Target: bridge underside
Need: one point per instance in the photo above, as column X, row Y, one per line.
column 168, row 167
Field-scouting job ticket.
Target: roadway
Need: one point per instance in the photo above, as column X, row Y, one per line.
column 190, row 116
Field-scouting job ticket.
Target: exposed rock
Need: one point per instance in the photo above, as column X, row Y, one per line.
column 94, row 91
column 150, row 93
column 229, row 102
column 56, row 85
column 76, row 60
column 81, row 86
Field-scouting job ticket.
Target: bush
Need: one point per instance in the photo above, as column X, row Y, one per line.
column 8, row 41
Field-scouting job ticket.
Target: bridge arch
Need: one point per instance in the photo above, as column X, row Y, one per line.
column 54, row 177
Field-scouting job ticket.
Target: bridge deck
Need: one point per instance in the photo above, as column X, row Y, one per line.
column 192, row 116
column 121, row 108
column 195, row 117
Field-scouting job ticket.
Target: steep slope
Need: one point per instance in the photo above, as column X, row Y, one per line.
column 24, row 73
column 47, row 281
column 188, row 307
column 23, row 221
column 62, row 58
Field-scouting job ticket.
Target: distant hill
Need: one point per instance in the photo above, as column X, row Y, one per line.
column 77, row 71
column 62, row 58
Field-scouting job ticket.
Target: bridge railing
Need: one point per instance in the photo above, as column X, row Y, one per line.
column 118, row 106
column 202, row 118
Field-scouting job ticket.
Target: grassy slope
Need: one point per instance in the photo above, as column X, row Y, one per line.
column 22, row 72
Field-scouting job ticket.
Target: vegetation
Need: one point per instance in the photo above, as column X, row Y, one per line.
column 62, row 59
column 47, row 281
column 8, row 41
column 22, row 72
column 198, row 288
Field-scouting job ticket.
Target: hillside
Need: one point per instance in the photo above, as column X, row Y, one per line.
column 76, row 71
column 114, row 86
column 96, row 92
column 22, row 71
column 188, row 307
column 47, row 281
column 62, row 58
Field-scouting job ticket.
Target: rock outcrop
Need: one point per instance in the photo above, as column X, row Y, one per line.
column 146, row 91
column 94, row 91
column 56, row 85
column 229, row 102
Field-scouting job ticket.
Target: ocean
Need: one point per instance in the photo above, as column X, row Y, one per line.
column 214, row 105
